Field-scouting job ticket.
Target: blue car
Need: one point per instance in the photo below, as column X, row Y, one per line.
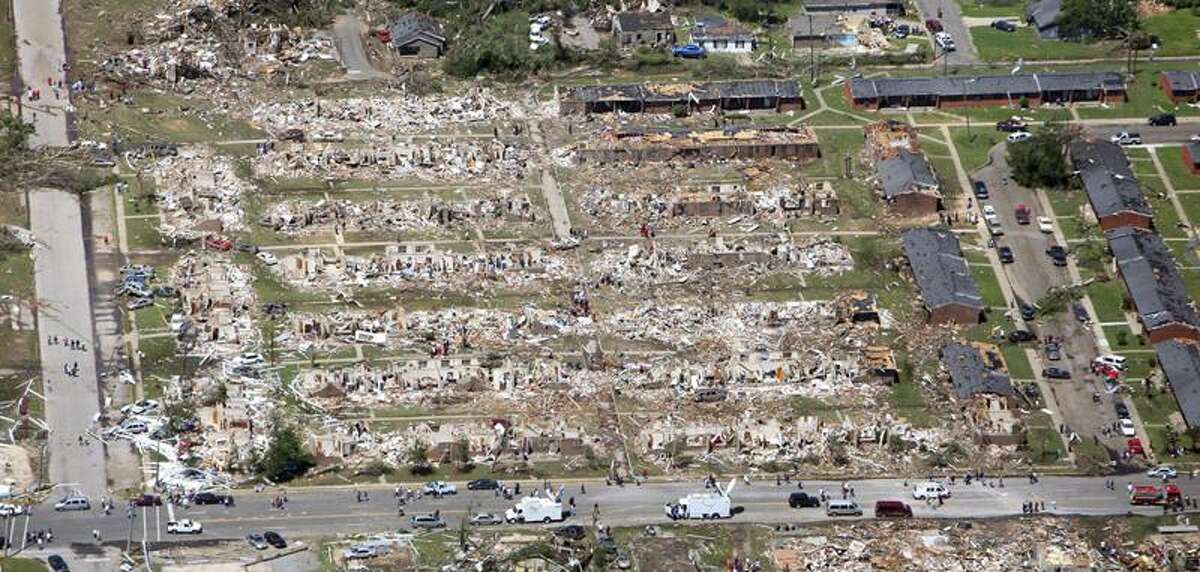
column 691, row 51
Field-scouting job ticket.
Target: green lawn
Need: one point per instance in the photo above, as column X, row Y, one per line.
column 143, row 233
column 1122, row 338
column 1146, row 96
column 989, row 286
column 1139, row 364
column 908, row 402
column 1184, row 254
column 947, row 175
column 1191, row 281
column 1043, row 443
column 1107, row 298
column 1182, row 178
column 1017, row 361
column 8, row 45
column 22, row 565
column 1155, row 409
column 992, row 8
column 1066, row 203
column 996, row 46
column 1166, row 218
column 973, row 147
column 1191, row 206
column 1176, row 31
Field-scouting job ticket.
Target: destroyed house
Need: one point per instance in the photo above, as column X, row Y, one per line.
column 747, row 95
column 663, row 144
column 943, row 277
column 416, row 34
column 908, row 184
column 1111, row 185
column 821, row 30
column 889, row 7
column 1180, row 362
column 986, row 395
column 643, row 29
column 1155, row 285
column 1181, row 86
column 1036, row 89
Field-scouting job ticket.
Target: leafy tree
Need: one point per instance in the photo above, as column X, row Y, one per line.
column 1041, row 161
column 286, row 458
column 1097, row 18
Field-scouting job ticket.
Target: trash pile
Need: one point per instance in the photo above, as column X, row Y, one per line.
column 194, row 40
column 505, row 208
column 425, row 266
column 382, row 118
column 428, row 160
column 723, row 330
column 198, row 193
column 653, row 263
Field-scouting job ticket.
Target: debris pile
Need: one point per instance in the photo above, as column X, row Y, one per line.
column 198, row 194
column 777, row 203
column 505, row 208
column 430, row 160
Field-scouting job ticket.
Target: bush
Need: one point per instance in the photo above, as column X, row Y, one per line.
column 286, row 458
column 375, row 469
column 679, row 110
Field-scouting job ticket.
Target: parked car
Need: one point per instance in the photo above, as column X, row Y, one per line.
column 8, row 509
column 257, row 541
column 922, row 491
column 1121, row 409
column 1019, row 136
column 1045, row 225
column 989, row 212
column 1053, row 351
column 485, row 519
column 1081, row 313
column 933, row 25
column 945, row 42
column 1004, row 25
column 902, row 31
column 267, row 258
column 842, row 507
column 1114, row 361
column 359, row 552
column 1164, row 120
column 427, row 521
column 570, row 531
column 1056, row 373
column 483, row 485
column 141, row 407
column 1126, row 427
column 1018, row 336
column 981, row 190
column 57, row 564
column 246, row 247
column 165, row 292
column 274, row 539
column 1058, row 254
column 892, row 509
column 1126, row 138
column 689, row 51
column 217, row 243
column 803, row 500
column 1011, row 125
column 1162, row 472
column 139, row 303
column 135, row 426
column 148, row 500
column 1006, row 254
column 185, row 526
column 209, row 497
column 1028, row 311
column 440, row 488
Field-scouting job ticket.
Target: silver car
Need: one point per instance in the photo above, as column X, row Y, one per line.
column 485, row 519
column 427, row 521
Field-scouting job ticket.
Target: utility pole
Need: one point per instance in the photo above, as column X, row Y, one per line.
column 812, row 53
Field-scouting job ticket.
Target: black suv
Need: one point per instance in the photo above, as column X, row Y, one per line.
column 1122, row 409
column 1058, row 254
column 483, row 485
column 981, row 190
column 1018, row 336
column 1164, row 120
column 1006, row 254
column 206, row 497
column 570, row 531
column 1004, row 25
column 803, row 500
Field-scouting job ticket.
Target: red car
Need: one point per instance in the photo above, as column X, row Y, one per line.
column 933, row 25
column 217, row 243
column 147, row 500
column 1135, row 447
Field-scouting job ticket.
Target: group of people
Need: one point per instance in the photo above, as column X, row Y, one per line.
column 70, row 343
column 39, row 536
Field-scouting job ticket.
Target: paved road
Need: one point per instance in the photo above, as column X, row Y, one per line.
column 952, row 21
column 61, row 277
column 321, row 512
column 347, row 37
column 1150, row 135
column 41, row 51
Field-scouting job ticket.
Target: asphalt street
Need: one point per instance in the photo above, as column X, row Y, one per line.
column 41, row 52
column 320, row 512
column 347, row 38
column 952, row 22
column 72, row 402
column 1181, row 133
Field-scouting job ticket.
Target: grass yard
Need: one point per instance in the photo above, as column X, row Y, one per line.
column 992, row 8
column 1154, row 409
column 1191, row 206
column 989, row 286
column 1107, row 298
column 1042, row 441
column 1141, row 364
column 143, row 233
column 1145, row 96
column 162, row 117
column 1176, row 31
column 973, row 147
column 1166, row 218
column 1017, row 361
column 1191, row 281
column 996, row 46
column 8, row 46
column 1182, row 178
column 947, row 174
column 1066, row 203
column 1184, row 255
column 22, row 565
column 908, row 402
column 1122, row 338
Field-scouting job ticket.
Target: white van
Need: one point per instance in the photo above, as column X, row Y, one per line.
column 72, row 503
column 929, row 490
column 841, row 507
column 1113, row 361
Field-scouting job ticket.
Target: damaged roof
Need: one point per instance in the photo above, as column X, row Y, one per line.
column 718, row 28
column 1183, row 80
column 970, row 376
column 904, row 173
column 684, row 92
column 636, row 21
column 1154, row 283
column 412, row 25
column 1108, row 179
column 1012, row 86
column 1044, row 13
column 1180, row 362
column 940, row 269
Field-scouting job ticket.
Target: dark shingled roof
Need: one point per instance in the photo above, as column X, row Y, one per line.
column 1193, row 149
column 1180, row 362
column 1043, row 13
column 1013, row 86
column 905, row 173
column 1183, row 80
column 1108, row 179
column 851, row 5
column 1148, row 269
column 970, row 376
column 720, row 28
column 411, row 25
column 709, row 90
column 637, row 21
column 940, row 269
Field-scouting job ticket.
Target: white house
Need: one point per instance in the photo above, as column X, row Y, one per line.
column 723, row 36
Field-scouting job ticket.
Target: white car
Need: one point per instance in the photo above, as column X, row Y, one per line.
column 11, row 509
column 945, row 41
column 1045, row 225
column 1019, row 136
column 126, row 377
column 359, row 552
column 72, row 503
column 141, row 407
column 1126, row 138
column 267, row 258
column 440, row 488
column 1114, row 361
column 251, row 359
column 989, row 211
column 1127, row 428
column 1162, row 472
column 135, row 426
column 922, row 491
column 185, row 526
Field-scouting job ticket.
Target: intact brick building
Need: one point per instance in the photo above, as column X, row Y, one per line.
column 1159, row 296
column 749, row 95
column 1180, row 86
column 947, row 287
column 1036, row 89
column 1180, row 362
column 1111, row 186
